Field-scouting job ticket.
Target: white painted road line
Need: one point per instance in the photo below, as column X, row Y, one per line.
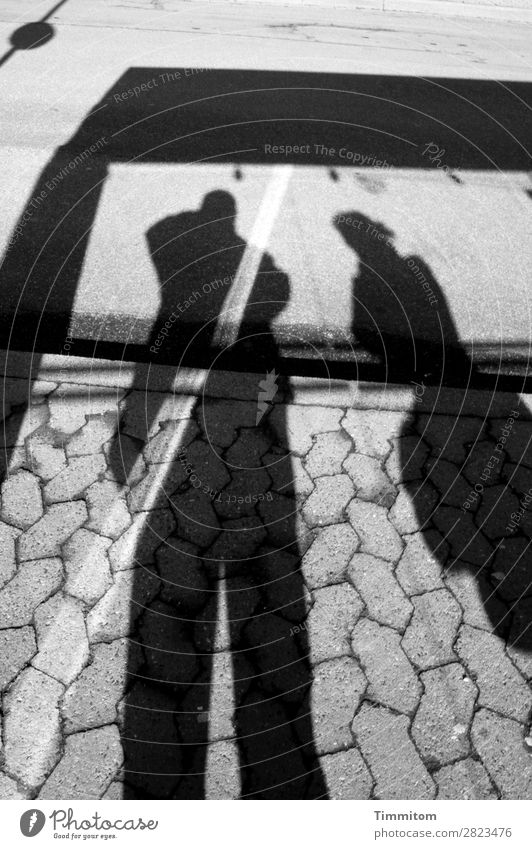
column 230, row 321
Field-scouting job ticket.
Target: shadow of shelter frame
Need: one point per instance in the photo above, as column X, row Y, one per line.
column 238, row 117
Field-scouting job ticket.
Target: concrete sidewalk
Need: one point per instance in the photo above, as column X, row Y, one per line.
column 441, row 107
column 500, row 10
column 409, row 507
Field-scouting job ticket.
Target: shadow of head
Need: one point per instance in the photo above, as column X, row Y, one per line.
column 367, row 237
column 32, row 35
column 218, row 205
column 218, row 211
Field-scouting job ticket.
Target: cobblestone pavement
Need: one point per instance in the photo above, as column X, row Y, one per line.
column 333, row 601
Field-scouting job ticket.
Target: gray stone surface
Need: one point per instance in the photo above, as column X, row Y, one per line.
column 463, row 780
column 156, row 488
column 9, row 789
column 223, row 770
column 72, row 481
column 383, row 596
column 412, row 509
column 289, row 475
column 63, row 647
column 32, row 733
column 370, row 480
column 377, row 534
column 44, row 539
column 87, row 566
column 470, row 588
column 33, row 583
column 45, row 459
column 328, row 453
column 346, row 775
column 108, row 513
column 146, row 412
column 90, row 760
column 419, row 569
column 518, row 645
column 221, row 719
column 407, row 459
column 17, row 647
column 327, row 502
column 115, row 791
column 441, row 727
column 21, row 500
column 125, row 462
column 8, row 563
column 391, row 678
column 393, row 760
column 500, row 685
column 397, row 627
column 91, row 700
column 93, row 434
column 158, row 449
column 499, row 742
column 372, row 430
column 430, row 635
column 142, row 538
column 302, row 423
column 336, row 693
column 113, row 615
column 20, row 425
column 331, row 620
column 326, row 560
column 69, row 407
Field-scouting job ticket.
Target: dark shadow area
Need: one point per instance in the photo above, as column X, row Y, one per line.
column 396, row 308
column 219, row 534
column 242, row 116
column 468, row 473
column 178, row 115
column 30, row 36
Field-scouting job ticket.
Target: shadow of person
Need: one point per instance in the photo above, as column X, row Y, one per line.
column 218, row 604
column 463, row 456
column 196, row 281
column 399, row 312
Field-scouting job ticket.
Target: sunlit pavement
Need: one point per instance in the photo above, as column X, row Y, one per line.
column 414, row 591
column 244, row 584
column 442, row 178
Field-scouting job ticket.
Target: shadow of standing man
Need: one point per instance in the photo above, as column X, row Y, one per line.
column 217, row 564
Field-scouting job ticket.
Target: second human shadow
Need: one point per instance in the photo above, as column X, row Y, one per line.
column 465, row 457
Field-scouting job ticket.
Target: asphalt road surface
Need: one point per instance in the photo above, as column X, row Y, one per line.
column 355, row 186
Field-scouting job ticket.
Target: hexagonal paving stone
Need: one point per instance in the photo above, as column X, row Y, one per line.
column 327, row 502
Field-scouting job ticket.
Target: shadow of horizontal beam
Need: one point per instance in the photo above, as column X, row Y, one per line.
column 505, row 369
column 241, row 116
column 172, row 115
